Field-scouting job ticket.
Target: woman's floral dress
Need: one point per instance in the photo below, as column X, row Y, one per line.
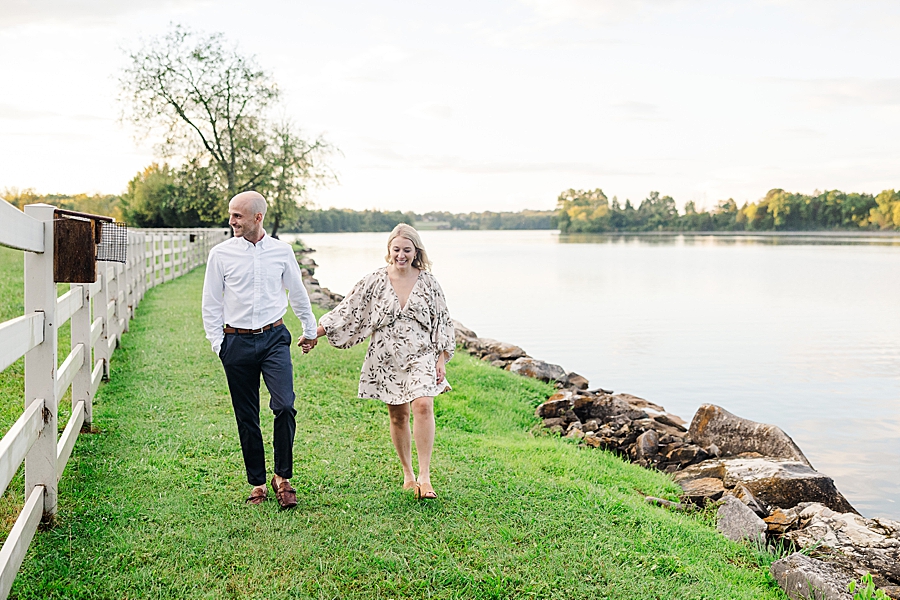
column 400, row 364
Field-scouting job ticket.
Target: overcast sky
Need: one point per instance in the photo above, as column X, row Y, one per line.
column 494, row 104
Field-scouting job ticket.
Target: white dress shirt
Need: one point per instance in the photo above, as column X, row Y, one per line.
column 245, row 285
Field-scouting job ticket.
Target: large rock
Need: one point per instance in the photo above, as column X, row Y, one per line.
column 869, row 544
column 736, row 521
column 465, row 337
column 574, row 380
column 501, row 349
column 745, row 496
column 461, row 329
column 646, row 445
column 654, row 411
column 805, row 578
column 702, row 491
column 733, row 435
column 780, row 521
column 537, row 369
column 604, row 408
column 777, row 482
column 556, row 405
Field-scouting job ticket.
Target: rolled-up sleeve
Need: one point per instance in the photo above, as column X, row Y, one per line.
column 213, row 303
column 354, row 319
column 298, row 297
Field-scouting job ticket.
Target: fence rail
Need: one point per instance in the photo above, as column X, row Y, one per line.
column 99, row 313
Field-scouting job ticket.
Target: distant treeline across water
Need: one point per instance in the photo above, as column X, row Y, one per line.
column 590, row 211
column 340, row 220
column 577, row 211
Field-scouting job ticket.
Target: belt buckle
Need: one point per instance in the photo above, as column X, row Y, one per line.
column 258, row 331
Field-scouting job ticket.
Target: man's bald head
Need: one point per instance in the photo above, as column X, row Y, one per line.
column 252, row 202
column 246, row 212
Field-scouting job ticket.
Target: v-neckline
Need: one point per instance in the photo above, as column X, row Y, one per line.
column 396, row 295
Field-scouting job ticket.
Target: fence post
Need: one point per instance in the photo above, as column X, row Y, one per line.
column 145, row 267
column 129, row 288
column 112, row 316
column 158, row 259
column 101, row 350
column 121, row 297
column 40, row 363
column 81, row 334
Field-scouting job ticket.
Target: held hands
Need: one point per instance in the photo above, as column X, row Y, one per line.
column 306, row 344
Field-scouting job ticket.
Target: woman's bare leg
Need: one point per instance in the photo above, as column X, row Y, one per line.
column 399, row 414
column 423, row 433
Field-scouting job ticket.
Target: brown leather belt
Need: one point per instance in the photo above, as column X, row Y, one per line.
column 228, row 329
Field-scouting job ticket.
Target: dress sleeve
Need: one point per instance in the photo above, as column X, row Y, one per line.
column 354, row 319
column 442, row 335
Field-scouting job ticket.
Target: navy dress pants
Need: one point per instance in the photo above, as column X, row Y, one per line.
column 244, row 357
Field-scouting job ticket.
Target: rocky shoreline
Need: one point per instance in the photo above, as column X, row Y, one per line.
column 766, row 490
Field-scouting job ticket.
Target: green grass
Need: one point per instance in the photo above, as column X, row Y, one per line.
column 152, row 507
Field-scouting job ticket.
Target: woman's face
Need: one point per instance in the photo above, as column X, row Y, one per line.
column 402, row 252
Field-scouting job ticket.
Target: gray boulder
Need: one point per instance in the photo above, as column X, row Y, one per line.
column 461, row 329
column 774, row 481
column 556, row 405
column 646, row 445
column 537, row 369
column 702, row 490
column 501, row 349
column 604, row 408
column 574, row 380
column 805, row 578
column 745, row 496
column 871, row 545
column 733, row 435
column 736, row 521
column 465, row 337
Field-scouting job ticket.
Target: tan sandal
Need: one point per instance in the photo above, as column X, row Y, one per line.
column 423, row 495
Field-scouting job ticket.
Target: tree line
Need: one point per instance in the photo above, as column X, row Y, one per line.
column 590, row 211
column 97, row 204
column 346, row 220
column 160, row 196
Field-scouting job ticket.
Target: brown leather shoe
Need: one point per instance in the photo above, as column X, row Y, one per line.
column 285, row 494
column 257, row 496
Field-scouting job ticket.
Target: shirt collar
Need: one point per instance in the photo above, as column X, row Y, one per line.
column 262, row 243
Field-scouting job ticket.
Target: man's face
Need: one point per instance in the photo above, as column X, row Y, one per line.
column 242, row 220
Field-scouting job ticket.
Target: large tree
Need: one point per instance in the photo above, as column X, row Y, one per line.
column 295, row 164
column 210, row 105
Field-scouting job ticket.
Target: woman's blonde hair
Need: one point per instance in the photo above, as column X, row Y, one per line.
column 403, row 230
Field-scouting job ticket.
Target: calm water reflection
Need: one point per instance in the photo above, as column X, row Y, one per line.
column 800, row 331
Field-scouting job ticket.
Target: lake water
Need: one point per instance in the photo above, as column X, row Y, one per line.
column 802, row 332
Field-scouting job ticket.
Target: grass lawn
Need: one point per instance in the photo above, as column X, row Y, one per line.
column 152, row 507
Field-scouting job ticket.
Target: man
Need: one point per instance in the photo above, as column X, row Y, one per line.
column 243, row 306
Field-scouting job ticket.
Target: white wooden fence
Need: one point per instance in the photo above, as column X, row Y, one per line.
column 100, row 313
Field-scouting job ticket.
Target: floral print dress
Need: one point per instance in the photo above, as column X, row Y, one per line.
column 400, row 364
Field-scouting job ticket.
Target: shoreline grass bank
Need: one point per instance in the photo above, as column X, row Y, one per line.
column 151, row 507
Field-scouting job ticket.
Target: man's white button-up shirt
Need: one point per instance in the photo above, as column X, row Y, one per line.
column 245, row 285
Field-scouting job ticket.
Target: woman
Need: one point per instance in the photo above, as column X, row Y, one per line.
column 403, row 309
